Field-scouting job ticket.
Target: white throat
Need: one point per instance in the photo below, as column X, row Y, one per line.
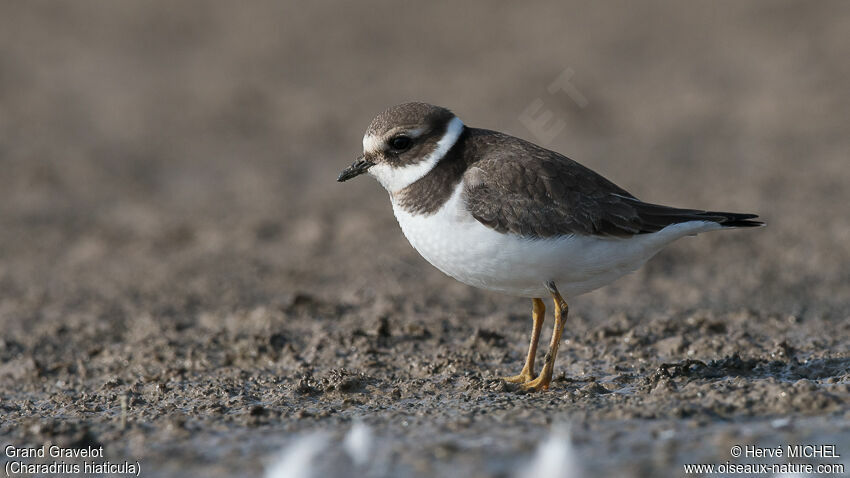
column 396, row 179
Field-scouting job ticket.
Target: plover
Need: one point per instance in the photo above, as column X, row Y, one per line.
column 503, row 214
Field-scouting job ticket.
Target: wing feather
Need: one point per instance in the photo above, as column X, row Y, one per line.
column 524, row 189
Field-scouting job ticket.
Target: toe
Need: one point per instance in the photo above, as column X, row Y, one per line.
column 521, row 378
column 536, row 385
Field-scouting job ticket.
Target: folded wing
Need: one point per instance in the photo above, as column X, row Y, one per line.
column 544, row 194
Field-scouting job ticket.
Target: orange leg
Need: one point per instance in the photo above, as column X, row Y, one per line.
column 537, row 315
column 561, row 309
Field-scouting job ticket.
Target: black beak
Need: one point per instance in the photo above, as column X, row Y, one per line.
column 358, row 167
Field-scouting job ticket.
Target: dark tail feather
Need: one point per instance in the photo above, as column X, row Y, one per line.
column 655, row 216
column 732, row 219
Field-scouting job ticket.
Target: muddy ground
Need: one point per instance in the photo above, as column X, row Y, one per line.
column 183, row 283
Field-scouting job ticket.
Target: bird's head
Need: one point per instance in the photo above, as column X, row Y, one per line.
column 403, row 143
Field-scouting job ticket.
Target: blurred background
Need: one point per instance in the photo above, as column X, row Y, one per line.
column 170, row 164
column 143, row 140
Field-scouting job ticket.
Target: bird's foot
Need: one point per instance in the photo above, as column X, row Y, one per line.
column 523, row 377
column 540, row 383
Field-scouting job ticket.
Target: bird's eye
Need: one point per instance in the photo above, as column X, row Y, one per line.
column 400, row 143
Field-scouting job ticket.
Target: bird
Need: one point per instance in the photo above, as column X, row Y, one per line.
column 503, row 214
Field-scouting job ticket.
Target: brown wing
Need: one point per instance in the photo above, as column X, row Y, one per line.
column 536, row 193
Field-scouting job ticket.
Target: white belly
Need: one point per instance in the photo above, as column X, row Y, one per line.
column 454, row 242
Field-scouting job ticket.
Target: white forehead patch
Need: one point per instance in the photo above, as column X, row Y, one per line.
column 396, row 179
column 371, row 143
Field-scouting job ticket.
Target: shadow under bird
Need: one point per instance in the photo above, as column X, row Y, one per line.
column 503, row 214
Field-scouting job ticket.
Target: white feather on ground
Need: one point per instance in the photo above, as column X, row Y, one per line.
column 359, row 443
column 296, row 460
column 555, row 458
